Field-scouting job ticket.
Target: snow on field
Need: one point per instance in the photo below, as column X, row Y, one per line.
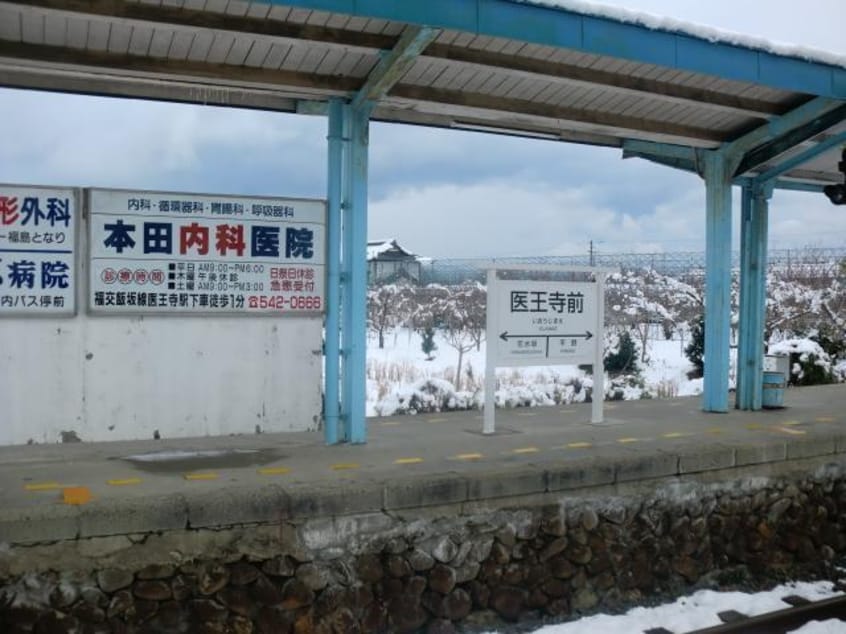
column 401, row 378
column 700, row 610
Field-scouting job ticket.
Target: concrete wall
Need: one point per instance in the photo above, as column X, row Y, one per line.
column 119, row 378
column 437, row 569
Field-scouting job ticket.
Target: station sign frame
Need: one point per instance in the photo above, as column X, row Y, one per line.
column 544, row 322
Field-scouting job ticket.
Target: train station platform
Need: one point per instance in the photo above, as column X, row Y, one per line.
column 76, row 490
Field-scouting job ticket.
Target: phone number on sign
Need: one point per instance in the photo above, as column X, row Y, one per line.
column 279, row 302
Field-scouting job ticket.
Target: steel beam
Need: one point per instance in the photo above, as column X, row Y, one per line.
column 791, row 138
column 833, row 141
column 798, row 118
column 717, row 169
column 394, row 65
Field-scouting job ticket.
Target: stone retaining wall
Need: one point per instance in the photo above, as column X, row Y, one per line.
column 436, row 570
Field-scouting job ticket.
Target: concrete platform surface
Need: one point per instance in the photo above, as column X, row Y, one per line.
column 409, row 461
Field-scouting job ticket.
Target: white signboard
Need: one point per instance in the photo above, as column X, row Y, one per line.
column 37, row 243
column 532, row 322
column 545, row 323
column 158, row 252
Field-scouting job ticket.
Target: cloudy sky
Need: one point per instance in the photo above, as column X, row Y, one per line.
column 440, row 193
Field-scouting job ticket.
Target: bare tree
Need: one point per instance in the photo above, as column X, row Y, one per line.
column 462, row 317
column 386, row 308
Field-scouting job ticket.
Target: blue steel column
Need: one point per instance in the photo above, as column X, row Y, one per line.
column 758, row 303
column 332, row 324
column 346, row 263
column 753, row 283
column 354, row 313
column 743, row 396
column 717, row 281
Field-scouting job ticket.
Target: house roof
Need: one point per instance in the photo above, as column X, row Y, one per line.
column 375, row 248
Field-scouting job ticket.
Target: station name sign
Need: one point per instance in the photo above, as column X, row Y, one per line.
column 545, row 323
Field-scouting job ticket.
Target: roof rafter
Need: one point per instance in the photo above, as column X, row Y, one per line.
column 621, row 82
column 138, row 12
column 326, row 84
column 551, row 111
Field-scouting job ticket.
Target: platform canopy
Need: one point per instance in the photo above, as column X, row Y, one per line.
column 493, row 65
column 735, row 110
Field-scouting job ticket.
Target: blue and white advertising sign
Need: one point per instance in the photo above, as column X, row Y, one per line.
column 160, row 252
column 37, row 244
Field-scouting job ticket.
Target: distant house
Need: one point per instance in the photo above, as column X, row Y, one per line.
column 388, row 262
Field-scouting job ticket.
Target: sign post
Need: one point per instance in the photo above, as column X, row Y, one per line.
column 544, row 323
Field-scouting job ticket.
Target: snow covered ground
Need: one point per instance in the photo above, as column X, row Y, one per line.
column 401, row 370
column 700, row 610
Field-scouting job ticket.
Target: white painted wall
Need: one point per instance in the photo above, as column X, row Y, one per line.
column 121, row 378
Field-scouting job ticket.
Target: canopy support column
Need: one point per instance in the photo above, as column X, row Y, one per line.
column 332, row 323
column 718, row 177
column 354, row 275
column 753, row 282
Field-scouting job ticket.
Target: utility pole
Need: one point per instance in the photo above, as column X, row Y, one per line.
column 592, row 254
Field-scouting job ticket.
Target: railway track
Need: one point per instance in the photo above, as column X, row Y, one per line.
column 802, row 611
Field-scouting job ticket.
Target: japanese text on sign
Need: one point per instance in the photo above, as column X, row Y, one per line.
column 158, row 252
column 545, row 322
column 37, row 238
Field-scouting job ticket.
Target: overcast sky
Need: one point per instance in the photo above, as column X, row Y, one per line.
column 439, row 193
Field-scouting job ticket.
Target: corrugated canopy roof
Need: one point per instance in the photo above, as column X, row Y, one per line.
column 490, row 65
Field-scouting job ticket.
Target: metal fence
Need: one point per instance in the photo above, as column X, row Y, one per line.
column 677, row 264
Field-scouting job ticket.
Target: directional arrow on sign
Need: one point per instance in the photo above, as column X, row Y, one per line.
column 587, row 336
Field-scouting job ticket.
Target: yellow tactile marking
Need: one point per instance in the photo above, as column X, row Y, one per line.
column 715, row 430
column 408, row 460
column 123, row 482
column 468, row 456
column 274, row 470
column 390, row 423
column 526, row 414
column 676, row 434
column 344, row 466
column 43, row 486
column 76, row 495
column 525, row 450
column 628, row 440
column 579, row 445
column 825, row 419
column 201, row 476
column 794, row 432
column 436, row 420
column 754, row 426
column 791, row 423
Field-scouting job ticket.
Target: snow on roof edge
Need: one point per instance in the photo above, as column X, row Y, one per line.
column 711, row 34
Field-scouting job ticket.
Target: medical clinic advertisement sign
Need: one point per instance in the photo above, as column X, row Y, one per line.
column 37, row 242
column 159, row 252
